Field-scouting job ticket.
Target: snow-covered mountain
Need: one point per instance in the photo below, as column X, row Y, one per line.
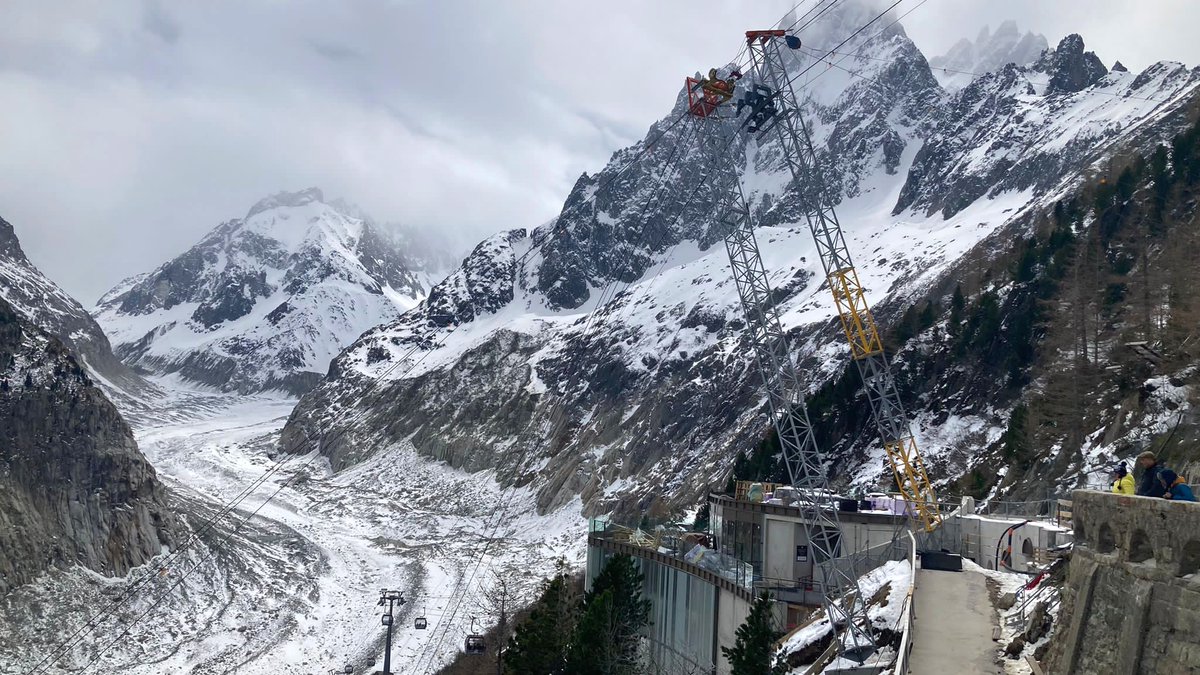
column 1035, row 128
column 266, row 301
column 640, row 399
column 988, row 52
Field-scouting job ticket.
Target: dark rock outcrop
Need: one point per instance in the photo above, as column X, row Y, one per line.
column 1070, row 68
column 74, row 488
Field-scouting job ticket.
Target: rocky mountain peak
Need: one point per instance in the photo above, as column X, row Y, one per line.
column 289, row 199
column 612, row 226
column 987, row 53
column 1071, row 69
column 10, row 246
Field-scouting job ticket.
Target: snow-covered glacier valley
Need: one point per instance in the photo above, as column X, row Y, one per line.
column 289, row 580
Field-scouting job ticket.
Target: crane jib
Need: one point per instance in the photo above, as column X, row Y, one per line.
column 770, row 106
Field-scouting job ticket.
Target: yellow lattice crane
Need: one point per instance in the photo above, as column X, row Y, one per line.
column 782, row 115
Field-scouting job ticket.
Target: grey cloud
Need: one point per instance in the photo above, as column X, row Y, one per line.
column 131, row 130
column 157, row 21
column 335, row 52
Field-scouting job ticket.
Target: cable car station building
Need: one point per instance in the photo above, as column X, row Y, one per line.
column 701, row 584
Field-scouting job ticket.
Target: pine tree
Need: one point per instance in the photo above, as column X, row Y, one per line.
column 1160, row 173
column 597, row 646
column 540, row 644
column 957, row 304
column 703, row 517
column 928, row 316
column 607, row 636
column 1015, row 440
column 754, row 653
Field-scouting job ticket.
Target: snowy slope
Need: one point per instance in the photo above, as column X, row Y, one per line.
column 265, row 301
column 1036, row 128
column 644, row 401
column 294, row 590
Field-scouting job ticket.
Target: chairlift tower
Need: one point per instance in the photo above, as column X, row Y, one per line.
column 390, row 598
column 842, row 598
column 767, row 53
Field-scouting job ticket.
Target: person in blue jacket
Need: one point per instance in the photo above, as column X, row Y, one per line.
column 1175, row 487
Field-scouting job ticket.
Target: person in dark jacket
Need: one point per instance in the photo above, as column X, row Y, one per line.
column 1149, row 485
column 1175, row 487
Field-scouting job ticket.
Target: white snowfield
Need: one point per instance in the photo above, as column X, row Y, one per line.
column 295, row 590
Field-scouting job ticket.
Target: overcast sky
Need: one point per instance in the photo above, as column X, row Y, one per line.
column 132, row 127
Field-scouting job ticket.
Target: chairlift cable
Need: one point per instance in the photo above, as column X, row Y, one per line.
column 214, row 549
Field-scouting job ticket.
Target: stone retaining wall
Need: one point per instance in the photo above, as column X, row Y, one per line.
column 1131, row 605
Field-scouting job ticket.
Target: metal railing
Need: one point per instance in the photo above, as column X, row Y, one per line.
column 830, row 500
column 674, row 542
column 904, row 651
column 1039, row 509
column 1028, row 598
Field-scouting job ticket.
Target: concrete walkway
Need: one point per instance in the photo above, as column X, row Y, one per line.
column 954, row 619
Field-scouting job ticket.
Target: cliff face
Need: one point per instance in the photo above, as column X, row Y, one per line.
column 74, row 489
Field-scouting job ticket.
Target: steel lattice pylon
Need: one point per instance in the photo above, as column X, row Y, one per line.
column 804, row 460
column 857, row 321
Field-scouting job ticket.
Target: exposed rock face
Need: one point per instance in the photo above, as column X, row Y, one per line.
column 865, row 124
column 74, row 489
column 264, row 302
column 43, row 303
column 1070, row 68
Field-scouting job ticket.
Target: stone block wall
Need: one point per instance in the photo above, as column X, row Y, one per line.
column 1131, row 605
